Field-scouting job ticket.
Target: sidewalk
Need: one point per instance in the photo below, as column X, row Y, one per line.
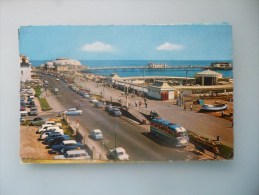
column 97, row 148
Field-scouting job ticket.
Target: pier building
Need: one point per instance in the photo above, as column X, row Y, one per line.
column 64, row 65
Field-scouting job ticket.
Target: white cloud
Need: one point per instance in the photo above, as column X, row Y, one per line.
column 97, row 47
column 169, row 47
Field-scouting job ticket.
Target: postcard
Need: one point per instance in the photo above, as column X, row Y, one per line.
column 126, row 93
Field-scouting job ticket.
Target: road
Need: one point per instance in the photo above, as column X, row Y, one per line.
column 135, row 139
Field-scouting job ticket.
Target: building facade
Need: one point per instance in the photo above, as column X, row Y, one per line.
column 25, row 68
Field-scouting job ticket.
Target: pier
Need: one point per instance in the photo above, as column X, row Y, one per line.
column 186, row 67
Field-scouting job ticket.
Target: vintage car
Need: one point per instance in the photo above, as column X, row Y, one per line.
column 72, row 112
column 118, row 154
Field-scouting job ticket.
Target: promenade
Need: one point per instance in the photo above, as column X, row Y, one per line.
column 199, row 123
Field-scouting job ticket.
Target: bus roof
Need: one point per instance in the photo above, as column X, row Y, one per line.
column 172, row 126
column 162, row 121
column 177, row 128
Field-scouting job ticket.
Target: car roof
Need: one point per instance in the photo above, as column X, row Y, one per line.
column 97, row 130
column 69, row 142
column 76, row 151
column 120, row 149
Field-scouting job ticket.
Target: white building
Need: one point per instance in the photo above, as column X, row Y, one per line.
column 161, row 90
column 64, row 65
column 207, row 77
column 25, row 68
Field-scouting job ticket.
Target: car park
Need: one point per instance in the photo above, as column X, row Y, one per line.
column 74, row 154
column 73, row 111
column 118, row 153
column 65, row 146
column 37, row 121
column 96, row 134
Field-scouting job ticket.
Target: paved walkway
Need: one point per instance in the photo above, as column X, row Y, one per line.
column 200, row 123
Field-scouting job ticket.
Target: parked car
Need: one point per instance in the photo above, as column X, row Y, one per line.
column 65, row 146
column 22, row 108
column 43, row 128
column 22, row 119
column 74, row 154
column 118, row 154
column 58, row 140
column 73, row 111
column 92, row 99
column 51, row 133
column 51, row 128
column 108, row 108
column 50, row 136
column 33, row 112
column 98, row 104
column 86, row 95
column 37, row 121
column 116, row 112
column 96, row 134
column 23, row 113
column 31, row 104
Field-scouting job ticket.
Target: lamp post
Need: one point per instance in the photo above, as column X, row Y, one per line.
column 186, row 77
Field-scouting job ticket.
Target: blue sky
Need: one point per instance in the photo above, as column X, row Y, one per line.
column 143, row 42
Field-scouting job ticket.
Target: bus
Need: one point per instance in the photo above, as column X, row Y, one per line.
column 170, row 132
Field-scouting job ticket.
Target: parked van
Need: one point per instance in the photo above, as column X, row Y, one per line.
column 74, row 154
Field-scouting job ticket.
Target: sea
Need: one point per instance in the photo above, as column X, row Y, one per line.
column 146, row 72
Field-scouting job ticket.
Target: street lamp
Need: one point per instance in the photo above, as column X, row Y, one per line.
column 186, row 77
column 115, row 135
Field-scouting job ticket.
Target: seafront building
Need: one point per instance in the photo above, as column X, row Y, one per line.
column 169, row 88
column 63, row 65
column 25, row 68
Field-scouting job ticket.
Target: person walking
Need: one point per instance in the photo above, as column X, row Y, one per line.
column 136, row 103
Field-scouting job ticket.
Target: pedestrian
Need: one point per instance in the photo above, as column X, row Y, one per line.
column 111, row 99
column 191, row 107
column 136, row 103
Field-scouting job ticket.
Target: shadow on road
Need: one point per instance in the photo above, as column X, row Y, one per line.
column 158, row 140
